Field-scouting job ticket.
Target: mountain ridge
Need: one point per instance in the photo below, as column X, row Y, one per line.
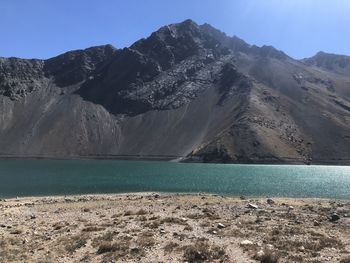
column 187, row 90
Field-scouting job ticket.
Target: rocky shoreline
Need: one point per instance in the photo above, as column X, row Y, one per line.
column 154, row 227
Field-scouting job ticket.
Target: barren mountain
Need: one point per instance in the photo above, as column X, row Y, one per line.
column 186, row 91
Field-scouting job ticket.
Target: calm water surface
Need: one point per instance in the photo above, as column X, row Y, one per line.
column 54, row 177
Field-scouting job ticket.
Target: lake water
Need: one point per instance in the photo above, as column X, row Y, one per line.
column 63, row 177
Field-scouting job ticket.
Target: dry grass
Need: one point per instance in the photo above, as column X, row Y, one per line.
column 146, row 239
column 201, row 251
column 107, row 237
column 170, row 247
column 345, row 259
column 141, row 212
column 107, row 247
column 74, row 243
column 92, row 229
column 16, row 232
column 188, row 228
column 173, row 220
column 269, row 257
column 128, row 213
column 59, row 225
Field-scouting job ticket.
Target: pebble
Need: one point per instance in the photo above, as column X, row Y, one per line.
column 246, row 243
column 260, row 254
column 220, row 226
column 252, row 206
column 269, row 246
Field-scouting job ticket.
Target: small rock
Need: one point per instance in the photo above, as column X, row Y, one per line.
column 290, row 207
column 32, row 216
column 270, row 201
column 242, row 197
column 335, row 217
column 183, row 219
column 246, row 243
column 260, row 254
column 269, row 246
column 214, row 232
column 221, row 226
column 252, row 206
column 302, row 249
column 316, row 223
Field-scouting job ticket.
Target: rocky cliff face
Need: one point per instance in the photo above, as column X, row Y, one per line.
column 186, row 91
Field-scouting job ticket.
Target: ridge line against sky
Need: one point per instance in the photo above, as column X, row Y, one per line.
column 44, row 29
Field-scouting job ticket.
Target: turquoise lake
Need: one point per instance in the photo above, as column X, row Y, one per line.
column 65, row 177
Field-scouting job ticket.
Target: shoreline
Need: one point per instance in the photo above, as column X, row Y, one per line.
column 181, row 159
column 178, row 194
column 173, row 227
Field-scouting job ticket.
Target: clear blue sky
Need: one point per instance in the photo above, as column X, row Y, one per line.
column 45, row 28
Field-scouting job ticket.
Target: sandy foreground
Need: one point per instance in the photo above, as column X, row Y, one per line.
column 152, row 227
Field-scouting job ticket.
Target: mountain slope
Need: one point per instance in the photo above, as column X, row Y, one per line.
column 185, row 91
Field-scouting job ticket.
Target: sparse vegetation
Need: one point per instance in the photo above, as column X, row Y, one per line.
column 202, row 251
column 269, row 257
column 146, row 239
column 74, row 243
column 170, row 247
column 93, row 229
column 108, row 237
column 141, row 212
column 107, row 247
column 173, row 220
column 180, row 227
column 345, row 259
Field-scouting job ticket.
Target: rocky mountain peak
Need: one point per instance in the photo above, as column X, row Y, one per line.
column 74, row 66
column 332, row 62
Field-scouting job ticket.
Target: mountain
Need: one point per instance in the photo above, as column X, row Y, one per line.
column 330, row 62
column 187, row 91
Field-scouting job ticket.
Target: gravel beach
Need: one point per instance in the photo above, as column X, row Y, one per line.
column 156, row 227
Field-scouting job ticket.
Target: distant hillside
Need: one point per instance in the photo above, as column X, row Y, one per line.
column 187, row 91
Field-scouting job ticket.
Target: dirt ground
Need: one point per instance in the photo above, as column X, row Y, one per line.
column 152, row 227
